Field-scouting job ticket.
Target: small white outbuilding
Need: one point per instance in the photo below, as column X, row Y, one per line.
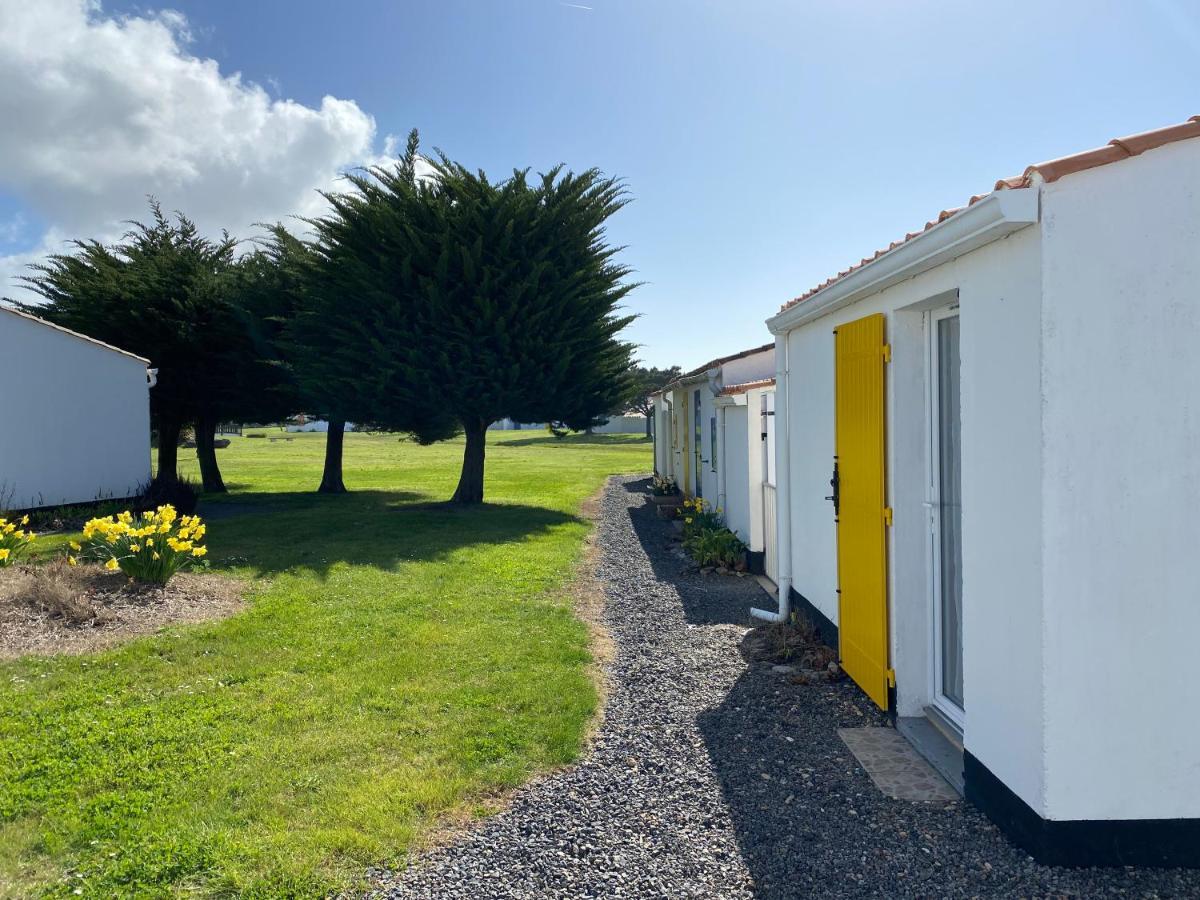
column 988, row 451
column 74, row 416
column 712, row 431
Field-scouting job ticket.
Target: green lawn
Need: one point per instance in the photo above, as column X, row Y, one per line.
column 400, row 661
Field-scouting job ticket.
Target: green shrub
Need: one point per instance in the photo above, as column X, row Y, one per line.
column 706, row 538
column 714, row 547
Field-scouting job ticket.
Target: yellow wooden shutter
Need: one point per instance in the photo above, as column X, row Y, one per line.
column 860, row 352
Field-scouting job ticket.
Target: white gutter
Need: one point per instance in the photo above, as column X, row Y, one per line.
column 783, row 489
column 997, row 215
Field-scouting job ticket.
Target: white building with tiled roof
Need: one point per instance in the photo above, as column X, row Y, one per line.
column 711, row 434
column 988, row 454
column 74, row 416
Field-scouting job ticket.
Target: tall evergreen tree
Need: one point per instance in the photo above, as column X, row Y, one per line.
column 157, row 293
column 479, row 301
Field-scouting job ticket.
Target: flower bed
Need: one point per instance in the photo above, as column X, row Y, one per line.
column 706, row 538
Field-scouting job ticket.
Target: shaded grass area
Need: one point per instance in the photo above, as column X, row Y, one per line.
column 400, row 660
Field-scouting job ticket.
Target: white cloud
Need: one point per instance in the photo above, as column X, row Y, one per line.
column 98, row 111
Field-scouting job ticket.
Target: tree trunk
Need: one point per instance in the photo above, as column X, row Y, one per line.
column 331, row 478
column 206, row 453
column 470, row 482
column 168, row 451
column 648, row 420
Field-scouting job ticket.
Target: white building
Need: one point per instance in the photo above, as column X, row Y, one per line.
column 1008, row 405
column 629, row 423
column 712, row 428
column 74, row 416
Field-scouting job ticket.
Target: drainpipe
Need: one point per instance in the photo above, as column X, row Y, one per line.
column 721, row 460
column 783, row 488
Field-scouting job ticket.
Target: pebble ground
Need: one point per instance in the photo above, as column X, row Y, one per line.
column 712, row 776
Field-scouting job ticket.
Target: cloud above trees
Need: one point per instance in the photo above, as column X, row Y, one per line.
column 100, row 110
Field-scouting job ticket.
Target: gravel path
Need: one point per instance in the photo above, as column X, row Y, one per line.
column 711, row 776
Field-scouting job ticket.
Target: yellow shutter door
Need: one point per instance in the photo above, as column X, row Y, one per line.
column 861, row 527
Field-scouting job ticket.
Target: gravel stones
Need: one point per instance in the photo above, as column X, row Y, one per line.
column 712, row 776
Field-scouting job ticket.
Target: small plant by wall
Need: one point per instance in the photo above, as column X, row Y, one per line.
column 707, row 539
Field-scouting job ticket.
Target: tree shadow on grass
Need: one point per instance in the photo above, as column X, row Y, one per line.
column 277, row 532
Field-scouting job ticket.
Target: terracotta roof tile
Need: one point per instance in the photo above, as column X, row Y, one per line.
column 1045, row 172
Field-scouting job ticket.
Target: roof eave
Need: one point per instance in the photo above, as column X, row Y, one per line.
column 997, row 215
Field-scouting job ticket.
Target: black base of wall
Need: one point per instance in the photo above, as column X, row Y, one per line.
column 756, row 562
column 1099, row 842
column 826, row 628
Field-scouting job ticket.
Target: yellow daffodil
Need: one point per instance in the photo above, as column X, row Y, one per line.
column 112, row 565
column 24, row 520
column 4, row 553
column 74, row 545
column 199, row 551
column 72, row 561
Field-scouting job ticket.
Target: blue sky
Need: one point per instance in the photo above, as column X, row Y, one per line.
column 766, row 145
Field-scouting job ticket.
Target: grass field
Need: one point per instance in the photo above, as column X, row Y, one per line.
column 400, row 661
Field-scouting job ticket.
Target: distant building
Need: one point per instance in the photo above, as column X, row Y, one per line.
column 74, row 416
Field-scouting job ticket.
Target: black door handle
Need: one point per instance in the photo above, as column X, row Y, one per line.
column 836, row 483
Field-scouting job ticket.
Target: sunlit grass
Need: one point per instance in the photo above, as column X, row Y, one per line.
column 399, row 659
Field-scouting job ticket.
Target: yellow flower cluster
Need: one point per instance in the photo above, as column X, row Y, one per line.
column 14, row 540
column 151, row 547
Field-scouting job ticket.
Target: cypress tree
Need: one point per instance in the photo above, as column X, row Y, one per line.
column 473, row 301
column 157, row 293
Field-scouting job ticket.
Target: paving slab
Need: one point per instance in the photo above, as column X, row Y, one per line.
column 896, row 767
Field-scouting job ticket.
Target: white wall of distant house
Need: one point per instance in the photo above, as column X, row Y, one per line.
column 317, row 425
column 1121, row 477
column 622, row 425
column 74, row 418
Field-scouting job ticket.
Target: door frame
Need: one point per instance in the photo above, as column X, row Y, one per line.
column 944, row 705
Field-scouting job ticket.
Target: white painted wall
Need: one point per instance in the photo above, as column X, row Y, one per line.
column 74, row 419
column 622, row 425
column 736, row 502
column 1121, row 328
column 707, row 471
column 755, row 367
column 317, row 425
column 999, row 295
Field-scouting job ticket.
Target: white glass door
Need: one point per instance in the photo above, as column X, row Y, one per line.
column 945, row 503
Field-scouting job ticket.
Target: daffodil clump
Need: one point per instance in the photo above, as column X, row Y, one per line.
column 706, row 537
column 150, row 547
column 699, row 516
column 14, row 540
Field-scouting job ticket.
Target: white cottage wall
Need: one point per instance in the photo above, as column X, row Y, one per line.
column 755, row 367
column 78, row 428
column 736, row 502
column 708, row 473
column 1122, row 479
column 999, row 295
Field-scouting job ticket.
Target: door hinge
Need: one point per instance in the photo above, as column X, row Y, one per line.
column 887, row 353
column 891, row 678
column 887, row 515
